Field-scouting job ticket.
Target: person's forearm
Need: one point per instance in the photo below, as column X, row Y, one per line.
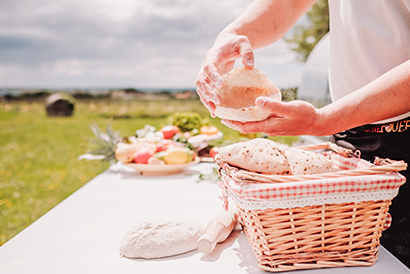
column 386, row 97
column 266, row 21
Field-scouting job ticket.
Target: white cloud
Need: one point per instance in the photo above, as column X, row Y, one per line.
column 105, row 43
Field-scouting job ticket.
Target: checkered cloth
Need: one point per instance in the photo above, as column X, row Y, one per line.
column 374, row 187
column 388, row 221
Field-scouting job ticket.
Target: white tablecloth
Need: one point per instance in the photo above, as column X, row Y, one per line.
column 82, row 234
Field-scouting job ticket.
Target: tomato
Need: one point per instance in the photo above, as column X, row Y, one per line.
column 213, row 151
column 164, row 145
column 175, row 129
column 169, row 131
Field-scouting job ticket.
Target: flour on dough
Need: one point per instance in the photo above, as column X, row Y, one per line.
column 305, row 162
column 159, row 238
column 257, row 155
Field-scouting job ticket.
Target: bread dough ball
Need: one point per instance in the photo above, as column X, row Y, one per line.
column 159, row 238
column 240, row 90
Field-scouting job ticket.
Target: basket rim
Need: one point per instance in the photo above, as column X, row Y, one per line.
column 380, row 166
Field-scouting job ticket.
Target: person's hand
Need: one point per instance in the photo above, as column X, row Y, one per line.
column 220, row 60
column 287, row 119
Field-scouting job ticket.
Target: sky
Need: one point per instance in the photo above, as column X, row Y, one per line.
column 121, row 43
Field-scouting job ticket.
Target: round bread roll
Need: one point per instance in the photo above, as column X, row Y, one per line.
column 240, row 89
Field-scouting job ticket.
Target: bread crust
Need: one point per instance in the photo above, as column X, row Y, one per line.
column 257, row 155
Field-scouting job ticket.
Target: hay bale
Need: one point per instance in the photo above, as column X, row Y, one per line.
column 60, row 104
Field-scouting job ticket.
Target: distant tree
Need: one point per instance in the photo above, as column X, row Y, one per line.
column 305, row 37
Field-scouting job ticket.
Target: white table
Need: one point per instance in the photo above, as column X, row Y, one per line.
column 82, row 234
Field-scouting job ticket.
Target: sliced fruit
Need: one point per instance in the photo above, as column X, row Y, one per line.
column 164, row 145
column 178, row 155
column 169, row 131
column 142, row 156
column 125, row 152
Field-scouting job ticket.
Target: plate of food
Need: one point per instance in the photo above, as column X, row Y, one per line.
column 161, row 169
column 161, row 158
column 151, row 151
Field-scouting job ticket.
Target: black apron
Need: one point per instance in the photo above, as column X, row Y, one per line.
column 391, row 140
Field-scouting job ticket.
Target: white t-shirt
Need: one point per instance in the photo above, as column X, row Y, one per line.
column 367, row 39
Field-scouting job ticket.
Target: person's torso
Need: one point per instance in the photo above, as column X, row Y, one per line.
column 367, row 39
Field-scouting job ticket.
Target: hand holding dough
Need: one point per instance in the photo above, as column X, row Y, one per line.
column 241, row 88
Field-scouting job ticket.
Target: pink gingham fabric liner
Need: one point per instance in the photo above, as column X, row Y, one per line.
column 387, row 222
column 319, row 191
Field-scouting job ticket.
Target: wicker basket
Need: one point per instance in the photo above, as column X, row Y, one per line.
column 325, row 234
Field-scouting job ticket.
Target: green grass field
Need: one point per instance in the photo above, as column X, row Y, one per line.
column 38, row 163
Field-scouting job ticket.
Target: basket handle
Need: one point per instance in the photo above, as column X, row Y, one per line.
column 386, row 166
column 332, row 146
column 382, row 165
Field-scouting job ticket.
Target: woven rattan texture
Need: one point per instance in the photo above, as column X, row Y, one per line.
column 316, row 236
column 303, row 234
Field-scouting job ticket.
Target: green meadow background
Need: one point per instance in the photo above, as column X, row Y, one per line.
column 38, row 163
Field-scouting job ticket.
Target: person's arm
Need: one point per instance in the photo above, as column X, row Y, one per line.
column 262, row 23
column 266, row 21
column 385, row 97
